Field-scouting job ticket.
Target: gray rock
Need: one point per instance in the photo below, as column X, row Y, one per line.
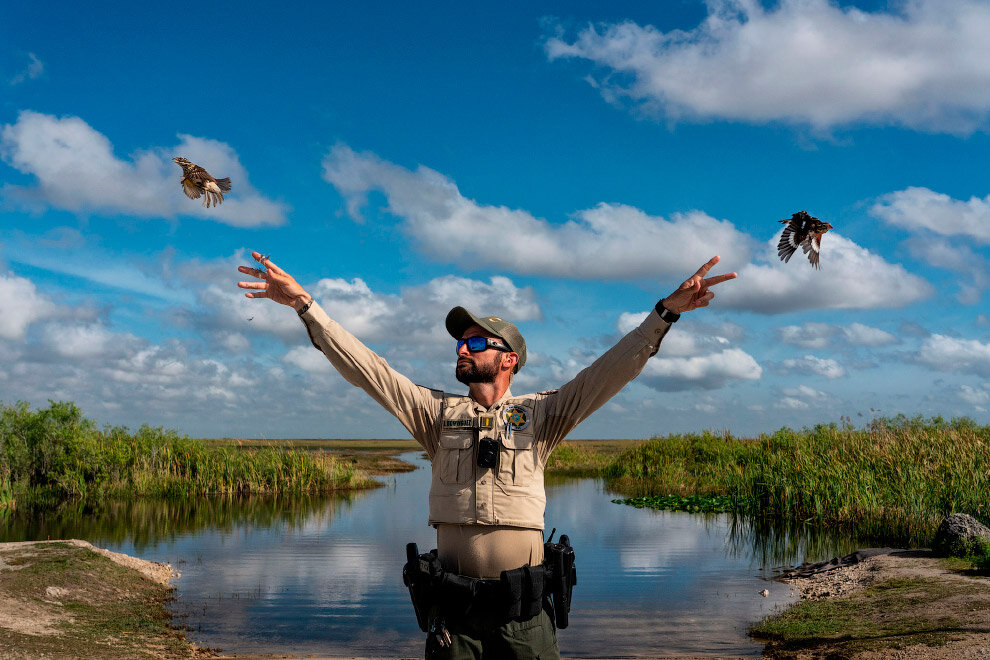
column 959, row 535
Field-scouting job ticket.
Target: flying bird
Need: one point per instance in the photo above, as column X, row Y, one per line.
column 804, row 231
column 196, row 181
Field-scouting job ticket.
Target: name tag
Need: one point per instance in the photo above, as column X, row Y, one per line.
column 481, row 422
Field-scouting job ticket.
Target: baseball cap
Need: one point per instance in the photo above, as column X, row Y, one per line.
column 459, row 320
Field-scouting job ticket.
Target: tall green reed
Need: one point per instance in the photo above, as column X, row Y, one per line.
column 894, row 479
column 53, row 455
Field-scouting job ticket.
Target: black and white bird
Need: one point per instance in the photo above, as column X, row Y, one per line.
column 196, row 182
column 804, row 231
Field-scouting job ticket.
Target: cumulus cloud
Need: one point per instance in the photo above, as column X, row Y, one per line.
column 916, row 208
column 416, row 315
column 22, row 305
column 607, row 241
column 694, row 358
column 858, row 334
column 825, row 367
column 806, row 62
column 956, row 355
column 809, row 335
column 805, row 392
column 709, row 371
column 977, row 397
column 819, row 335
column 851, row 277
column 34, row 69
column 77, row 170
column 86, row 341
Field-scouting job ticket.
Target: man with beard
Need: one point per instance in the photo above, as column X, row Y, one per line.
column 487, row 591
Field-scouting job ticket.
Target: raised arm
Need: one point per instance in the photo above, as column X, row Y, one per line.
column 607, row 375
column 414, row 406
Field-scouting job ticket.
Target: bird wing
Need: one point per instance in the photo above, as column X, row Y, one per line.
column 199, row 175
column 812, row 247
column 789, row 242
column 190, row 188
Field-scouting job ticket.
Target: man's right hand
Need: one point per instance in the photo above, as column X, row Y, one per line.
column 276, row 284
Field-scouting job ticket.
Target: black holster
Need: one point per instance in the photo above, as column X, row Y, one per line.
column 558, row 559
column 420, row 574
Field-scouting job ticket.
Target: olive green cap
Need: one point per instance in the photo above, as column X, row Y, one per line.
column 459, row 320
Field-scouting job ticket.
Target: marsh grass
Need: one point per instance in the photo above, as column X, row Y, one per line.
column 54, row 455
column 895, row 479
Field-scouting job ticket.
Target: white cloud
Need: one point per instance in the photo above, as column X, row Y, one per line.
column 84, row 341
column 917, row 208
column 608, row 241
column 805, row 392
column 76, row 170
column 802, row 61
column 957, row 355
column 22, row 305
column 308, row 359
column 709, row 371
column 416, row 316
column 851, row 277
column 809, row 335
column 825, row 367
column 816, row 336
column 977, row 397
column 864, row 335
column 790, row 403
column 33, row 70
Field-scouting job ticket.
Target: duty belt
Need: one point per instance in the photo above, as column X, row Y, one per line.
column 517, row 594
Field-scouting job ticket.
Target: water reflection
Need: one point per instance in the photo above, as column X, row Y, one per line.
column 322, row 575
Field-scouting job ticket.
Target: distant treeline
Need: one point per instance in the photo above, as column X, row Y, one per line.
column 896, row 479
column 55, row 455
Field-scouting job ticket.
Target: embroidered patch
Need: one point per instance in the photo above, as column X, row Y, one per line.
column 516, row 418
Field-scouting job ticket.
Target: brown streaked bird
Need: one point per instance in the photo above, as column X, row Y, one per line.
column 804, row 231
column 196, row 181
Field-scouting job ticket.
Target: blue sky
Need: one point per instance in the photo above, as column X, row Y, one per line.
column 561, row 164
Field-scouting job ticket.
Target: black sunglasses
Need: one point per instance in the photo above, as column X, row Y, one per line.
column 478, row 344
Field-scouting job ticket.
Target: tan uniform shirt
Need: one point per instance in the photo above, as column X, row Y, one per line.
column 526, row 429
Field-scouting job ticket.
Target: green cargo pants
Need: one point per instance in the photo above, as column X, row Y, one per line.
column 478, row 638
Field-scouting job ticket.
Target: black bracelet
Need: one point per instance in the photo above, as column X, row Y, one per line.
column 305, row 308
column 666, row 314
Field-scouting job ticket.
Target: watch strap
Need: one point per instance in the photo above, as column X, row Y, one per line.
column 665, row 314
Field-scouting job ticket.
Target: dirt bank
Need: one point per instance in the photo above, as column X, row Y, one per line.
column 894, row 605
column 68, row 599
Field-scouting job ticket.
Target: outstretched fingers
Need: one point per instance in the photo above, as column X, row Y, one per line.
column 708, row 266
column 711, row 281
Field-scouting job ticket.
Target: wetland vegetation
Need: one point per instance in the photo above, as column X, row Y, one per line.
column 54, row 455
column 892, row 480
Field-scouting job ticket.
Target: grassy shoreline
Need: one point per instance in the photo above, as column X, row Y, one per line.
column 52, row 456
column 896, row 479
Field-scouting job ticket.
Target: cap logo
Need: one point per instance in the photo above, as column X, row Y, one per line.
column 494, row 318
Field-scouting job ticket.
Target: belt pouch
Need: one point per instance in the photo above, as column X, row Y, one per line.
column 524, row 588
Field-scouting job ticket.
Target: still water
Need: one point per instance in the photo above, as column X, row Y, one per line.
column 323, row 575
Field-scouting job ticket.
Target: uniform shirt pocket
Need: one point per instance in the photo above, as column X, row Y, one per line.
column 517, row 462
column 455, row 457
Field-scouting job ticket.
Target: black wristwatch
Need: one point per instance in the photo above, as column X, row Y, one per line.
column 666, row 314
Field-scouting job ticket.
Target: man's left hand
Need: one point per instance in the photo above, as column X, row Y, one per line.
column 695, row 293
